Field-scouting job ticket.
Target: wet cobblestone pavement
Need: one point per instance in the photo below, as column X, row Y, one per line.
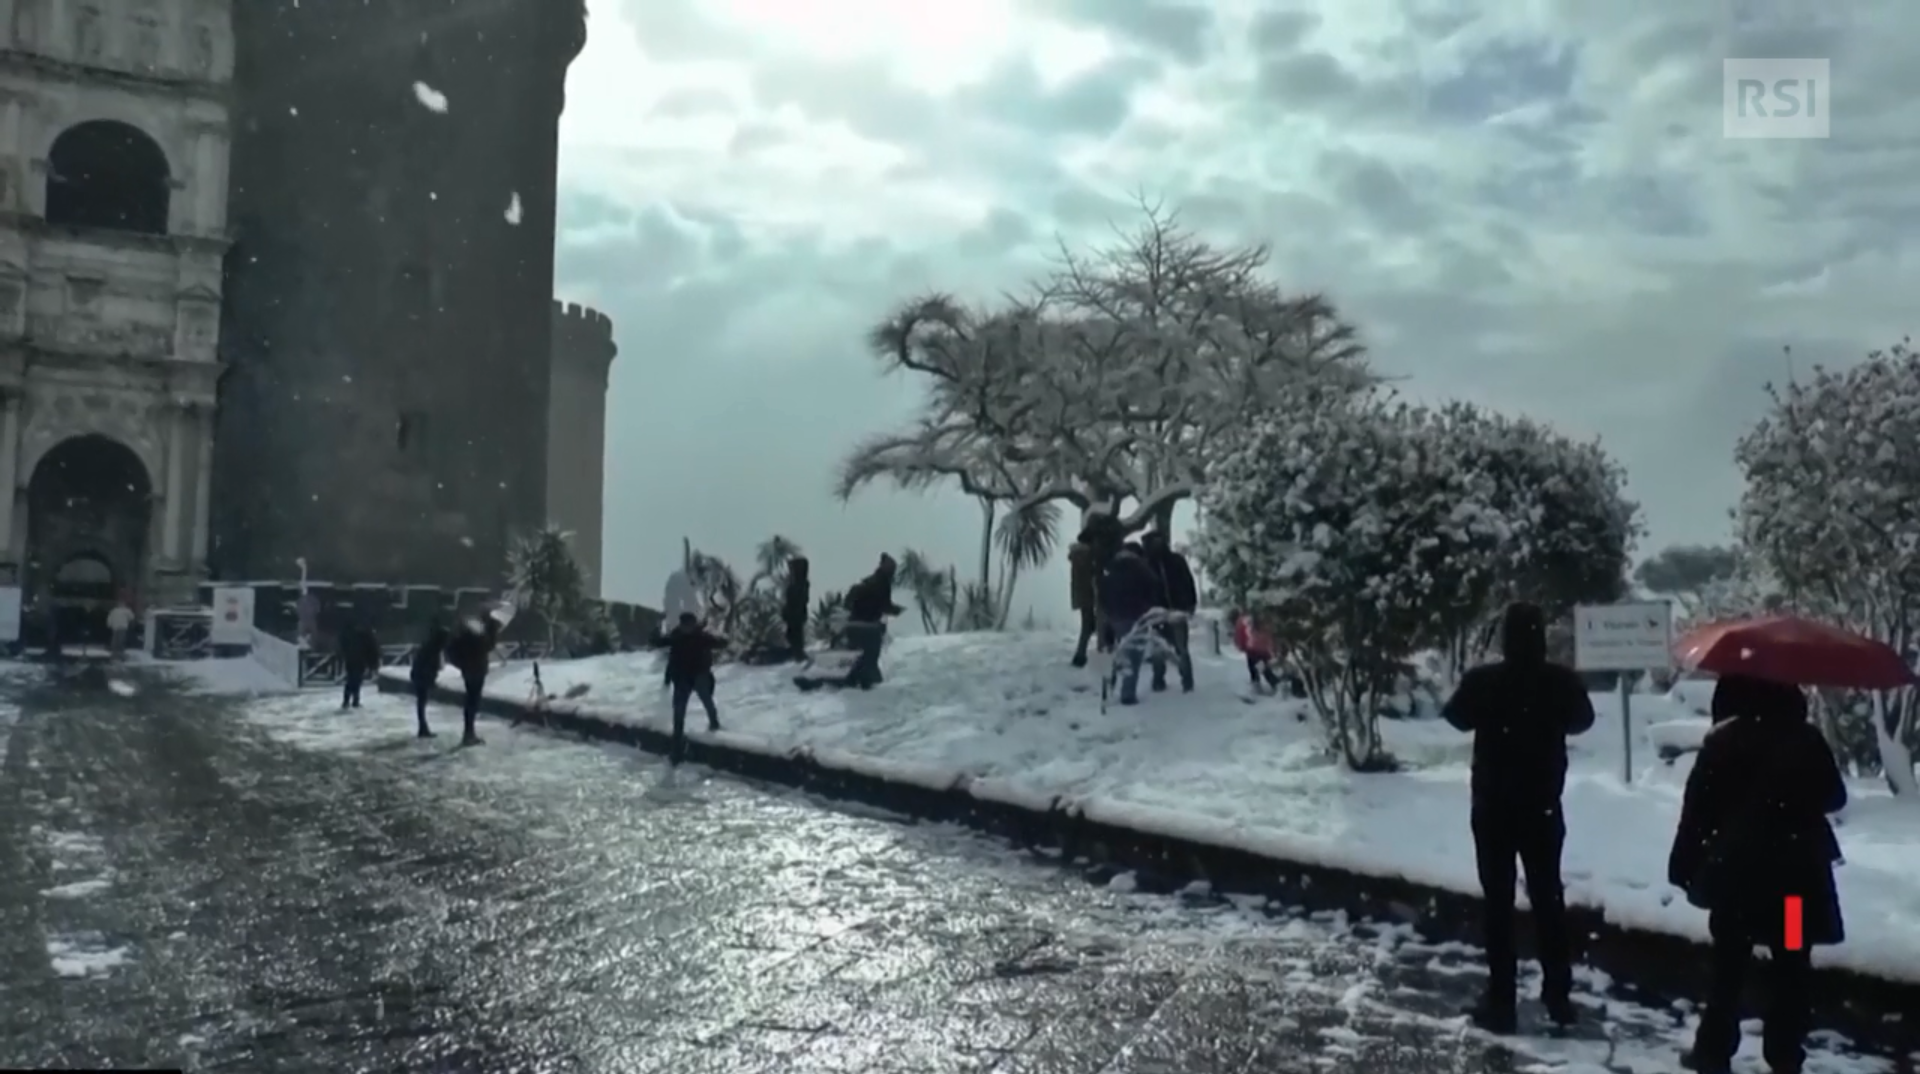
column 273, row 886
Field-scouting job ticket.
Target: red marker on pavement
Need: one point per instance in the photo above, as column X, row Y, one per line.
column 1794, row 939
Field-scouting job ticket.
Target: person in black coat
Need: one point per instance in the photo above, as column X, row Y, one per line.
column 471, row 650
column 869, row 603
column 1753, row 832
column 1102, row 536
column 427, row 657
column 1128, row 590
column 359, row 657
column 794, row 605
column 690, row 652
column 1182, row 595
column 1520, row 712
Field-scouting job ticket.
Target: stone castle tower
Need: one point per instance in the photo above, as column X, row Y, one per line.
column 386, row 329
column 583, row 351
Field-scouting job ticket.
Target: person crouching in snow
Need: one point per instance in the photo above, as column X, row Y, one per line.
column 1128, row 590
column 869, row 603
column 690, row 651
column 471, row 650
column 1257, row 645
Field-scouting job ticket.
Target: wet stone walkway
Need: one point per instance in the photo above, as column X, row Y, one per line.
column 267, row 885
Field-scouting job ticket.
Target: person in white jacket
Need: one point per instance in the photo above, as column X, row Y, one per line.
column 119, row 621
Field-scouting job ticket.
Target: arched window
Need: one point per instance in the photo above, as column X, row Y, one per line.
column 106, row 174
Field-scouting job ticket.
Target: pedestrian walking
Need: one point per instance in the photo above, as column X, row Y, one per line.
column 425, row 672
column 869, row 604
column 1753, row 833
column 119, row 622
column 1180, row 594
column 1086, row 600
column 1520, row 711
column 359, row 657
column 794, row 605
column 1128, row 590
column 471, row 650
column 690, row 651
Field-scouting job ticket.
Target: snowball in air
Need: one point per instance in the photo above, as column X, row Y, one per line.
column 513, row 209
column 432, row 98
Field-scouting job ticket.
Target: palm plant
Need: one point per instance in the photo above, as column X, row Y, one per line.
column 932, row 590
column 826, row 612
column 1026, row 540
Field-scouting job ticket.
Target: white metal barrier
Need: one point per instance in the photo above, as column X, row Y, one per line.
column 279, row 656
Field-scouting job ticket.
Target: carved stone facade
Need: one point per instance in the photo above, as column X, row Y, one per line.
column 583, row 351
column 114, row 141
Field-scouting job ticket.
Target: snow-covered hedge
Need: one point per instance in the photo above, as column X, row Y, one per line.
column 1363, row 529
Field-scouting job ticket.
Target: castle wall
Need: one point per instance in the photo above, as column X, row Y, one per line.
column 387, row 329
column 583, row 350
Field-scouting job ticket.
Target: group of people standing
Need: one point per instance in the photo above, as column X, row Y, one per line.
column 1116, row 582
column 1753, row 833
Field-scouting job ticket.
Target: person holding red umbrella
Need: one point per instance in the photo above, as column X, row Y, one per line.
column 1755, row 850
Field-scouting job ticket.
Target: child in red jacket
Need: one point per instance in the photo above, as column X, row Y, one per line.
column 1257, row 644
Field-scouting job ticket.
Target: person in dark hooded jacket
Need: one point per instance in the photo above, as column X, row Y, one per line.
column 427, row 658
column 794, row 605
column 1128, row 590
column 1753, row 832
column 359, row 657
column 1182, row 595
column 690, row 650
column 471, row 651
column 869, row 603
column 1520, row 712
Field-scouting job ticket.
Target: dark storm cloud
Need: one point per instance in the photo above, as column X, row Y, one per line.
column 1182, row 31
column 863, row 94
column 1093, row 103
column 1372, row 186
column 1500, row 76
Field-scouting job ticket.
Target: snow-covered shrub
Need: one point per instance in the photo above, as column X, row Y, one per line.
column 545, row 579
column 1349, row 529
column 1554, row 524
column 1832, row 511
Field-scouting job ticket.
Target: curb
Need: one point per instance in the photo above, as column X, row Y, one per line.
column 1653, row 966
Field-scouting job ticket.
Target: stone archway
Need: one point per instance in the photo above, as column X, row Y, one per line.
column 108, row 174
column 89, row 513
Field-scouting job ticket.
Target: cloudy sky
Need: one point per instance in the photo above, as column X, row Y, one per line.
column 1533, row 209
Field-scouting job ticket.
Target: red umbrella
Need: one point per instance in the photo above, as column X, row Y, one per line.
column 1799, row 652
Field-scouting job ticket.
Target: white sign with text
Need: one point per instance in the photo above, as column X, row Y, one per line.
column 232, row 616
column 1623, row 637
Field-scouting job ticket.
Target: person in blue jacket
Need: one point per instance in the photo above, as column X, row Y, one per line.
column 1129, row 589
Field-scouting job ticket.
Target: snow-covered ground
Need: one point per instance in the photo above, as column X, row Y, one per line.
column 1249, row 770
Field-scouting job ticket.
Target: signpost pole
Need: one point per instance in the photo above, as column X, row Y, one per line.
column 1626, row 728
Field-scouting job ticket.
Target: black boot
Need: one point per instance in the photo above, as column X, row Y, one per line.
column 1494, row 1017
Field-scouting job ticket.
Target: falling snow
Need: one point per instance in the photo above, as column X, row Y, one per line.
column 432, row 98
column 513, row 209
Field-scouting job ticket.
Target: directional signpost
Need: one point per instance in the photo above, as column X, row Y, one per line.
column 1625, row 638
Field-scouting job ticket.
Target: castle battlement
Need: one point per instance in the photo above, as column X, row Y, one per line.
column 582, row 334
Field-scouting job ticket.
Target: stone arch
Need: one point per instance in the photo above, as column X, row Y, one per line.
column 89, row 497
column 104, row 173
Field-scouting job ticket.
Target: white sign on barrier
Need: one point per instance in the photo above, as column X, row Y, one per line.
column 232, row 616
column 1623, row 637
column 9, row 613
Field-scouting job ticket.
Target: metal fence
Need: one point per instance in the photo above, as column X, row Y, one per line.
column 180, row 634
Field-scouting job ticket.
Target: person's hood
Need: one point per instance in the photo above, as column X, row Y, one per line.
column 1523, row 634
column 1735, row 696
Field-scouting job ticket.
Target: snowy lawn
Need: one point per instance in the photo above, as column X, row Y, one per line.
column 1248, row 770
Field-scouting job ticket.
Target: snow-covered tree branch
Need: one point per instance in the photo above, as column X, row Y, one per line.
column 1829, row 510
column 1109, row 385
